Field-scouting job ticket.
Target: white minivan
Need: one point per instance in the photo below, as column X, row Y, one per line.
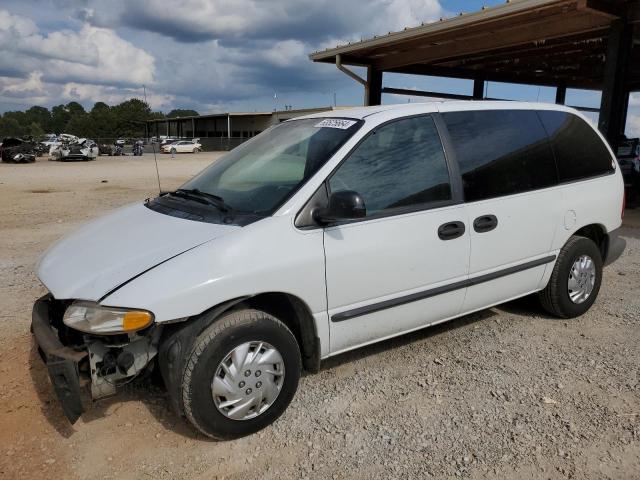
column 323, row 234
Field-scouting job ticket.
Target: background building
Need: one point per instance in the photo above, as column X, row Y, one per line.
column 224, row 131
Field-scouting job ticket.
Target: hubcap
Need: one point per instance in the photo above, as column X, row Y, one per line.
column 248, row 380
column 582, row 278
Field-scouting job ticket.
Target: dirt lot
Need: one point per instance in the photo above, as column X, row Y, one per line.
column 505, row 393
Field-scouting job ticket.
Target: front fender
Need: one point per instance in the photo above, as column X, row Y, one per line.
column 270, row 255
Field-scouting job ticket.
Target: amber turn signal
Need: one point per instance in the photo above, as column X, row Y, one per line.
column 135, row 320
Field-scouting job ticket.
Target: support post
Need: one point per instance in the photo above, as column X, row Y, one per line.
column 228, row 125
column 373, row 87
column 561, row 94
column 625, row 111
column 478, row 88
column 614, row 90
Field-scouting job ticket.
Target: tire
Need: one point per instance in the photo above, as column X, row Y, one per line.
column 555, row 298
column 203, row 363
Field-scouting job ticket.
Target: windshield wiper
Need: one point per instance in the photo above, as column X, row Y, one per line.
column 203, row 197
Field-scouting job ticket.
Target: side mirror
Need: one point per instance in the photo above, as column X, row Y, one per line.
column 343, row 205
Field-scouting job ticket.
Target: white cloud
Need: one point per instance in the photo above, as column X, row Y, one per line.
column 286, row 53
column 241, row 51
column 19, row 92
column 91, row 54
column 313, row 20
column 633, row 126
column 32, row 85
column 84, row 93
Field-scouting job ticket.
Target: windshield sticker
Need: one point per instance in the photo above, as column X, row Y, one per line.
column 335, row 123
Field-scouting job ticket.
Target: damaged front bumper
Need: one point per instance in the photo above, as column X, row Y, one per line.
column 75, row 360
column 62, row 362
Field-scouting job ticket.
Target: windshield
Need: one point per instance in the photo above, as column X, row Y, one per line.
column 258, row 176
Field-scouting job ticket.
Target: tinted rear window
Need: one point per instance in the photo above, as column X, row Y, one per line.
column 500, row 152
column 579, row 151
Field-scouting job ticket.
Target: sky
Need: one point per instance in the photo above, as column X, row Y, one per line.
column 215, row 55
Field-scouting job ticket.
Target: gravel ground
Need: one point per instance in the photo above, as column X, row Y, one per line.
column 505, row 393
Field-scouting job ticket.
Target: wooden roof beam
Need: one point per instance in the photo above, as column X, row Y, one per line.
column 581, row 43
column 595, row 58
column 475, row 29
column 534, row 32
column 460, row 23
column 600, row 7
column 525, row 78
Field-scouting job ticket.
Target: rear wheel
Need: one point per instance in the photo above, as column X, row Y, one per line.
column 575, row 280
column 241, row 374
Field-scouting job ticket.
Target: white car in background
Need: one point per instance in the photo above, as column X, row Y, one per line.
column 183, row 146
column 54, row 142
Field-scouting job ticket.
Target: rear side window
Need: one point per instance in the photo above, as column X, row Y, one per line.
column 579, row 151
column 401, row 165
column 500, row 152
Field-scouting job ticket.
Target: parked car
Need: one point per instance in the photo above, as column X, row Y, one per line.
column 106, row 149
column 322, row 235
column 79, row 149
column 63, row 138
column 17, row 150
column 182, row 146
column 45, row 142
column 628, row 155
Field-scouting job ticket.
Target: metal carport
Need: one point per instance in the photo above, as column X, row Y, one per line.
column 584, row 44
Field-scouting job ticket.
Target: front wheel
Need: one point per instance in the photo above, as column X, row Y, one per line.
column 575, row 280
column 241, row 374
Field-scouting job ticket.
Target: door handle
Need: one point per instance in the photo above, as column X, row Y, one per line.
column 451, row 230
column 485, row 223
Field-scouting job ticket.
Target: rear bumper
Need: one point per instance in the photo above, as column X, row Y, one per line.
column 615, row 248
column 61, row 361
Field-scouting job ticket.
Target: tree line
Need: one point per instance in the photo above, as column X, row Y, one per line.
column 126, row 120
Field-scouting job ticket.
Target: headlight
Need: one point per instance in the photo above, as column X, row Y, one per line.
column 90, row 317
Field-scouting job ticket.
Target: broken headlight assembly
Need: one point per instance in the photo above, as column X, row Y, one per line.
column 89, row 317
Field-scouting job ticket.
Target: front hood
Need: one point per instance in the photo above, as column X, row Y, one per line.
column 108, row 251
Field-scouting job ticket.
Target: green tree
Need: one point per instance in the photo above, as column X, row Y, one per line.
column 179, row 112
column 20, row 118
column 74, row 108
column 130, row 117
column 60, row 116
column 35, row 130
column 80, row 125
column 156, row 116
column 40, row 116
column 102, row 120
column 9, row 127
